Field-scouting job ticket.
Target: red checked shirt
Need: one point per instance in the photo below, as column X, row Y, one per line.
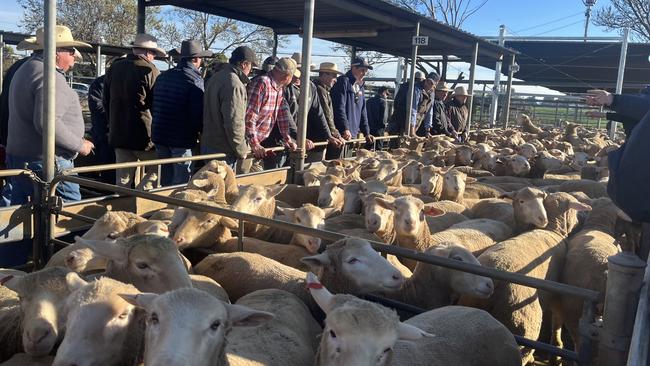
column 266, row 106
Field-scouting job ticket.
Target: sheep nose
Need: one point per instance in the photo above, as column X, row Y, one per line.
column 36, row 336
column 179, row 240
column 70, row 259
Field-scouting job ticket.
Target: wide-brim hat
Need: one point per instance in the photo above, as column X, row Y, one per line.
column 191, row 49
column 461, row 91
column 329, row 67
column 63, row 39
column 26, row 44
column 148, row 42
column 442, row 87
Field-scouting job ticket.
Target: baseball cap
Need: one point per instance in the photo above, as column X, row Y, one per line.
column 244, row 53
column 361, row 62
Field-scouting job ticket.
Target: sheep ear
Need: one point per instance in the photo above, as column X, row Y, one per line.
column 321, row 295
column 74, row 281
column 229, row 223
column 470, row 180
column 384, row 203
column 200, row 183
column 578, row 206
column 432, row 211
column 213, row 193
column 12, row 282
column 288, row 212
column 274, row 191
column 328, row 211
column 242, row 316
column 109, row 249
column 407, row 332
column 142, row 300
column 317, row 261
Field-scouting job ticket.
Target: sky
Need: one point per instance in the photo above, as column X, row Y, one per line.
column 521, row 18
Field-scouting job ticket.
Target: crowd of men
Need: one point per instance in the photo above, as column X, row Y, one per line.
column 139, row 113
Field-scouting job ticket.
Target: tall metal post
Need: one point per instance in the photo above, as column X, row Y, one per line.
column 624, row 280
column 409, row 99
column 353, row 55
column 48, row 88
column 99, row 61
column 482, row 105
column 275, row 44
column 472, row 78
column 305, row 83
column 497, row 80
column 511, row 72
column 621, row 74
column 398, row 74
column 142, row 16
column 2, row 61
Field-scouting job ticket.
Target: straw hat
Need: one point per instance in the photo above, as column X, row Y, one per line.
column 26, row 44
column 329, row 67
column 77, row 55
column 461, row 91
column 287, row 65
column 148, row 42
column 442, row 87
column 62, row 36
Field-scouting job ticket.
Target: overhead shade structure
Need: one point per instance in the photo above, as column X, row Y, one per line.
column 13, row 39
column 369, row 25
column 577, row 66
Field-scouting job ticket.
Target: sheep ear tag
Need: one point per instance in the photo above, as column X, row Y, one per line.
column 6, row 279
column 432, row 211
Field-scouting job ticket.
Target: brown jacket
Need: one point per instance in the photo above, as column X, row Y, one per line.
column 128, row 87
column 224, row 109
column 326, row 104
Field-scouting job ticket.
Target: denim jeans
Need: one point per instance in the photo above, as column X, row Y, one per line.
column 231, row 160
column 22, row 188
column 178, row 173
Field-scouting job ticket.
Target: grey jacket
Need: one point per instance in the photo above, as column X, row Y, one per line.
column 224, row 109
column 26, row 119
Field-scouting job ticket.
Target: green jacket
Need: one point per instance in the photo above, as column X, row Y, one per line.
column 224, row 109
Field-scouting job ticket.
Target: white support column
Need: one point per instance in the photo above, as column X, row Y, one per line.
column 621, row 74
column 494, row 107
column 409, row 99
column 511, row 72
column 305, row 83
column 472, row 78
column 48, row 106
column 99, row 61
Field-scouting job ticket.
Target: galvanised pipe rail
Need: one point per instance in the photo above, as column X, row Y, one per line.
column 545, row 285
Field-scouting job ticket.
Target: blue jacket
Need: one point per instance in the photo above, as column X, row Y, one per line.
column 377, row 113
column 177, row 109
column 629, row 178
column 349, row 110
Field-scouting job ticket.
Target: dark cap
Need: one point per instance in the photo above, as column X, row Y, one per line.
column 361, row 62
column 433, row 76
column 243, row 53
column 192, row 48
column 269, row 63
column 383, row 89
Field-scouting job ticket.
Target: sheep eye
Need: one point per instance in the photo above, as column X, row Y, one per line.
column 215, row 325
column 124, row 315
column 258, row 199
column 387, row 350
column 153, row 319
column 297, row 219
column 457, row 258
column 142, row 265
column 521, row 201
column 353, row 261
column 332, row 334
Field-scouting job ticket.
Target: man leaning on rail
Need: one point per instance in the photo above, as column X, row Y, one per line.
column 25, row 128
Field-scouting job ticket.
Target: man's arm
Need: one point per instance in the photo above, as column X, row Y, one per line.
column 233, row 110
column 63, row 136
column 632, row 106
column 255, row 97
column 196, row 108
column 417, row 93
column 317, row 112
column 364, row 119
column 338, row 104
column 284, row 122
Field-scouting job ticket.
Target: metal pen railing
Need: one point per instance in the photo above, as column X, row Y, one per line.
column 639, row 347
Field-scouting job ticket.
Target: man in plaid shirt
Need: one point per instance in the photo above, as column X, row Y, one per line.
column 267, row 114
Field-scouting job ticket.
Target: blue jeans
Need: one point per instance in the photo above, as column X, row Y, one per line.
column 178, row 173
column 231, row 160
column 22, row 188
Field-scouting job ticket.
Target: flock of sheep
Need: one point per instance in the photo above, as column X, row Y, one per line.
column 525, row 200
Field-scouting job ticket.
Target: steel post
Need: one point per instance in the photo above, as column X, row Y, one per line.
column 621, row 74
column 99, row 61
column 472, row 79
column 398, row 74
column 141, row 17
column 511, row 72
column 275, row 44
column 497, row 81
column 624, row 280
column 409, row 99
column 305, row 84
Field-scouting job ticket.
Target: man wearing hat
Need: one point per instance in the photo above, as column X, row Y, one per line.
column 24, row 147
column 458, row 113
column 440, row 122
column 349, row 101
column 177, row 111
column 327, row 74
column 378, row 114
column 421, row 110
column 128, row 97
column 267, row 110
column 224, row 109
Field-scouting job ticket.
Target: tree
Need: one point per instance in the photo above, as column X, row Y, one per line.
column 633, row 14
column 215, row 33
column 450, row 12
column 105, row 21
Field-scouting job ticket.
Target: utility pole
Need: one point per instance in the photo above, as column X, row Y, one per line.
column 589, row 4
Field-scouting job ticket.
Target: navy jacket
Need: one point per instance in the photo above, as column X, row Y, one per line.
column 99, row 128
column 629, row 178
column 349, row 109
column 377, row 113
column 4, row 100
column 177, row 108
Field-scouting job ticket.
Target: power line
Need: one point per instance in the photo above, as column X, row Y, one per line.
column 558, row 28
column 549, row 22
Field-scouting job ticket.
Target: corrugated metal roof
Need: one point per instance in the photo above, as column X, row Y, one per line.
column 14, row 38
column 394, row 25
